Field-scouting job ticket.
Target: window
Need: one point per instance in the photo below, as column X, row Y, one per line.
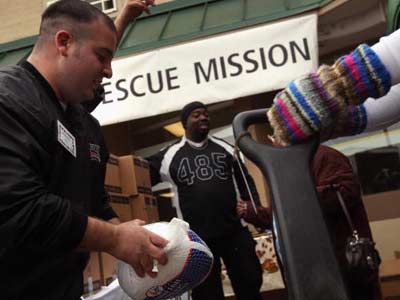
column 379, row 169
column 107, row 6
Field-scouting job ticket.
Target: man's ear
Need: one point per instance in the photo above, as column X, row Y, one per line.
column 63, row 40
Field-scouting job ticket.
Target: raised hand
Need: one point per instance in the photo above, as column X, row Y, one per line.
column 131, row 10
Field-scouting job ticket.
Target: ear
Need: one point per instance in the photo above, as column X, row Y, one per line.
column 63, row 40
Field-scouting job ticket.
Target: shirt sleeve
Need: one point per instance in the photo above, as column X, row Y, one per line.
column 31, row 216
column 383, row 112
column 155, row 162
column 331, row 167
column 388, row 49
column 261, row 219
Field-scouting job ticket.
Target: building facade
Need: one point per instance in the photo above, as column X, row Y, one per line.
column 21, row 18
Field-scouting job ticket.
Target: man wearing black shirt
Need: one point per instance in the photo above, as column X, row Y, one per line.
column 208, row 182
column 52, row 162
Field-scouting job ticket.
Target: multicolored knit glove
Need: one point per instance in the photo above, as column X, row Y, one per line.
column 352, row 120
column 328, row 102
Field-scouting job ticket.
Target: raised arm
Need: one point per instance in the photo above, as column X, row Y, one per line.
column 131, row 10
column 329, row 101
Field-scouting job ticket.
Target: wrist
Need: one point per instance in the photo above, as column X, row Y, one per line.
column 99, row 236
column 114, row 234
column 121, row 21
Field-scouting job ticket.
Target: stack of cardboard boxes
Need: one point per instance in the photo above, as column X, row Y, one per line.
column 136, row 185
column 129, row 186
column 92, row 274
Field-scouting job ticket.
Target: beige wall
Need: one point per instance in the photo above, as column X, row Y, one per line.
column 383, row 211
column 21, row 18
column 386, row 234
column 162, row 1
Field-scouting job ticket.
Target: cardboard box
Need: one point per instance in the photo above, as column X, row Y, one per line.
column 112, row 182
column 142, row 207
column 135, row 175
column 129, row 207
column 121, row 203
column 108, row 266
column 92, row 274
column 153, row 210
column 389, row 273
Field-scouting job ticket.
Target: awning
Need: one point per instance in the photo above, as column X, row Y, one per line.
column 393, row 15
column 11, row 53
column 184, row 20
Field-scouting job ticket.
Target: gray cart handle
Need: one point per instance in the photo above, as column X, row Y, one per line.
column 310, row 267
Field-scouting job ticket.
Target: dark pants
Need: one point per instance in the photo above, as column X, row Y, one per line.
column 242, row 264
column 367, row 291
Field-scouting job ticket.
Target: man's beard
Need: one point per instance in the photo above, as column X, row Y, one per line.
column 199, row 135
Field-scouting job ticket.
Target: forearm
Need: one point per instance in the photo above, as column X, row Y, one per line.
column 129, row 242
column 261, row 219
column 388, row 49
column 131, row 10
column 121, row 22
column 373, row 114
column 329, row 101
column 99, row 236
column 384, row 111
column 320, row 102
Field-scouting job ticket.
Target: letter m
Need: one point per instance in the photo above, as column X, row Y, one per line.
column 202, row 74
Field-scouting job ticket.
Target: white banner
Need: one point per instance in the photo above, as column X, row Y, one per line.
column 215, row 69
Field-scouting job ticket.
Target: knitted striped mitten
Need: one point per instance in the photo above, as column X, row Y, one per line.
column 328, row 101
column 352, row 120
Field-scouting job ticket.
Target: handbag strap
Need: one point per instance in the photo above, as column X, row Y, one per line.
column 335, row 187
column 236, row 155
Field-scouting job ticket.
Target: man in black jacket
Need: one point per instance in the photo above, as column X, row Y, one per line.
column 208, row 182
column 52, row 161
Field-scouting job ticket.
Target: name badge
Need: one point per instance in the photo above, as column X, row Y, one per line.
column 66, row 139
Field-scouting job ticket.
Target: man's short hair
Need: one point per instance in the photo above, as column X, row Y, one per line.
column 66, row 14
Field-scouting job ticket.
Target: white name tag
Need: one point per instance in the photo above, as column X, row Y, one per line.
column 66, row 138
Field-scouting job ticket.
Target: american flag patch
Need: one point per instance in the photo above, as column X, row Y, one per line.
column 94, row 152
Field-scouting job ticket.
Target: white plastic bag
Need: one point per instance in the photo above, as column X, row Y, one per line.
column 189, row 263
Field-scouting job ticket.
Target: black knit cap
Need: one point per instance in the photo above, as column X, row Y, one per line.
column 188, row 108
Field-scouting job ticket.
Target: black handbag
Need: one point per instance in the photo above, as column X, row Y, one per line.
column 362, row 258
